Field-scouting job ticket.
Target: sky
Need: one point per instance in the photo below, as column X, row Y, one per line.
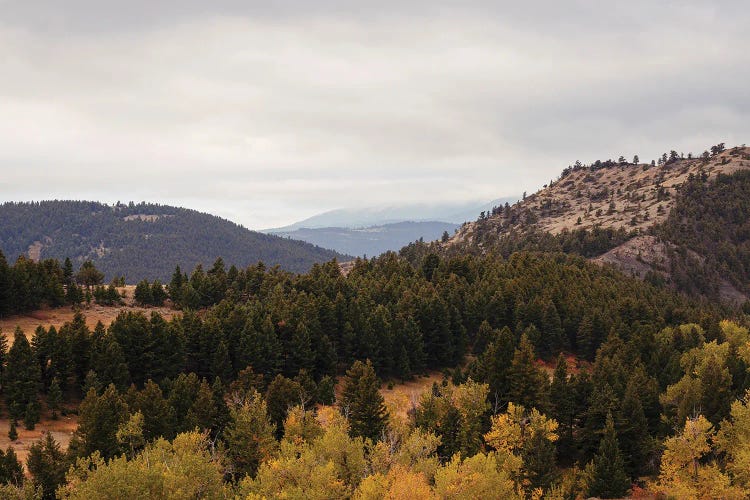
column 266, row 113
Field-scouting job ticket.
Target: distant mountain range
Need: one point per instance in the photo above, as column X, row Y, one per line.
column 372, row 240
column 456, row 213
column 143, row 240
column 372, row 231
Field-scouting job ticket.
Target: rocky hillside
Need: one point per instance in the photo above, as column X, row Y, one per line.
column 143, row 240
column 647, row 219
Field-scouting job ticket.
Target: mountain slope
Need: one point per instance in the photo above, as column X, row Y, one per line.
column 143, row 240
column 372, row 240
column 682, row 222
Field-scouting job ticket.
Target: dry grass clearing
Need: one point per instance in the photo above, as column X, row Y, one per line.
column 94, row 313
column 61, row 429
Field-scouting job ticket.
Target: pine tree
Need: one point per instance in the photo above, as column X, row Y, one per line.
column 31, row 415
column 202, row 413
column 221, row 365
column 108, row 361
column 265, row 356
column 143, row 294
column 585, row 339
column 607, row 471
column 552, row 331
column 484, row 336
column 249, row 436
column 632, row 433
column 158, row 418
column 529, row 385
column 12, row 432
column 47, row 465
column 494, row 365
column 362, row 402
column 54, row 398
column 12, row 470
column 3, row 354
column 301, row 356
column 281, row 395
column 562, row 401
column 22, row 377
column 158, row 295
column 98, row 421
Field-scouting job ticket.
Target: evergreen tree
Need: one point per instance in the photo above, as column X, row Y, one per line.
column 31, row 415
column 158, row 294
column 281, row 395
column 266, row 349
column 221, row 417
column 494, row 366
column 143, row 294
column 607, row 471
column 108, row 361
column 632, row 433
column 529, row 384
column 47, row 465
column 249, row 436
column 3, row 356
column 484, row 336
column 202, row 413
column 362, row 402
column 54, row 398
column 158, row 419
column 552, row 331
column 22, row 377
column 562, row 405
column 221, row 365
column 12, row 432
column 11, row 470
column 175, row 286
column 98, row 421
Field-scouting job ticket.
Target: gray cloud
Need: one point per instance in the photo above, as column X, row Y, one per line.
column 269, row 112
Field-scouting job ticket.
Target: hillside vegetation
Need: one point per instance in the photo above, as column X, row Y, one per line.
column 682, row 222
column 142, row 240
column 255, row 370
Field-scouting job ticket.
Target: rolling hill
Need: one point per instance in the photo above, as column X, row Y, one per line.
column 143, row 240
column 682, row 222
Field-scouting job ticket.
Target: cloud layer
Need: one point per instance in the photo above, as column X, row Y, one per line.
column 268, row 114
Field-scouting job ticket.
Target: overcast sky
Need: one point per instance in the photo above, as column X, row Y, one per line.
column 269, row 112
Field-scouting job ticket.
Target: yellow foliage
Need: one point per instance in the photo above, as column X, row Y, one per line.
column 511, row 430
column 734, row 440
column 399, row 484
column 683, row 473
column 177, row 470
column 480, row 476
column 296, row 475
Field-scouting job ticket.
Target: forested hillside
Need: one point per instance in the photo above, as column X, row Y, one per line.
column 681, row 221
column 654, row 375
column 142, row 240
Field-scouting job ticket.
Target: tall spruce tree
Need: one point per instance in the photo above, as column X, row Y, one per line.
column 529, row 384
column 22, row 377
column 362, row 402
column 608, row 478
column 47, row 465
